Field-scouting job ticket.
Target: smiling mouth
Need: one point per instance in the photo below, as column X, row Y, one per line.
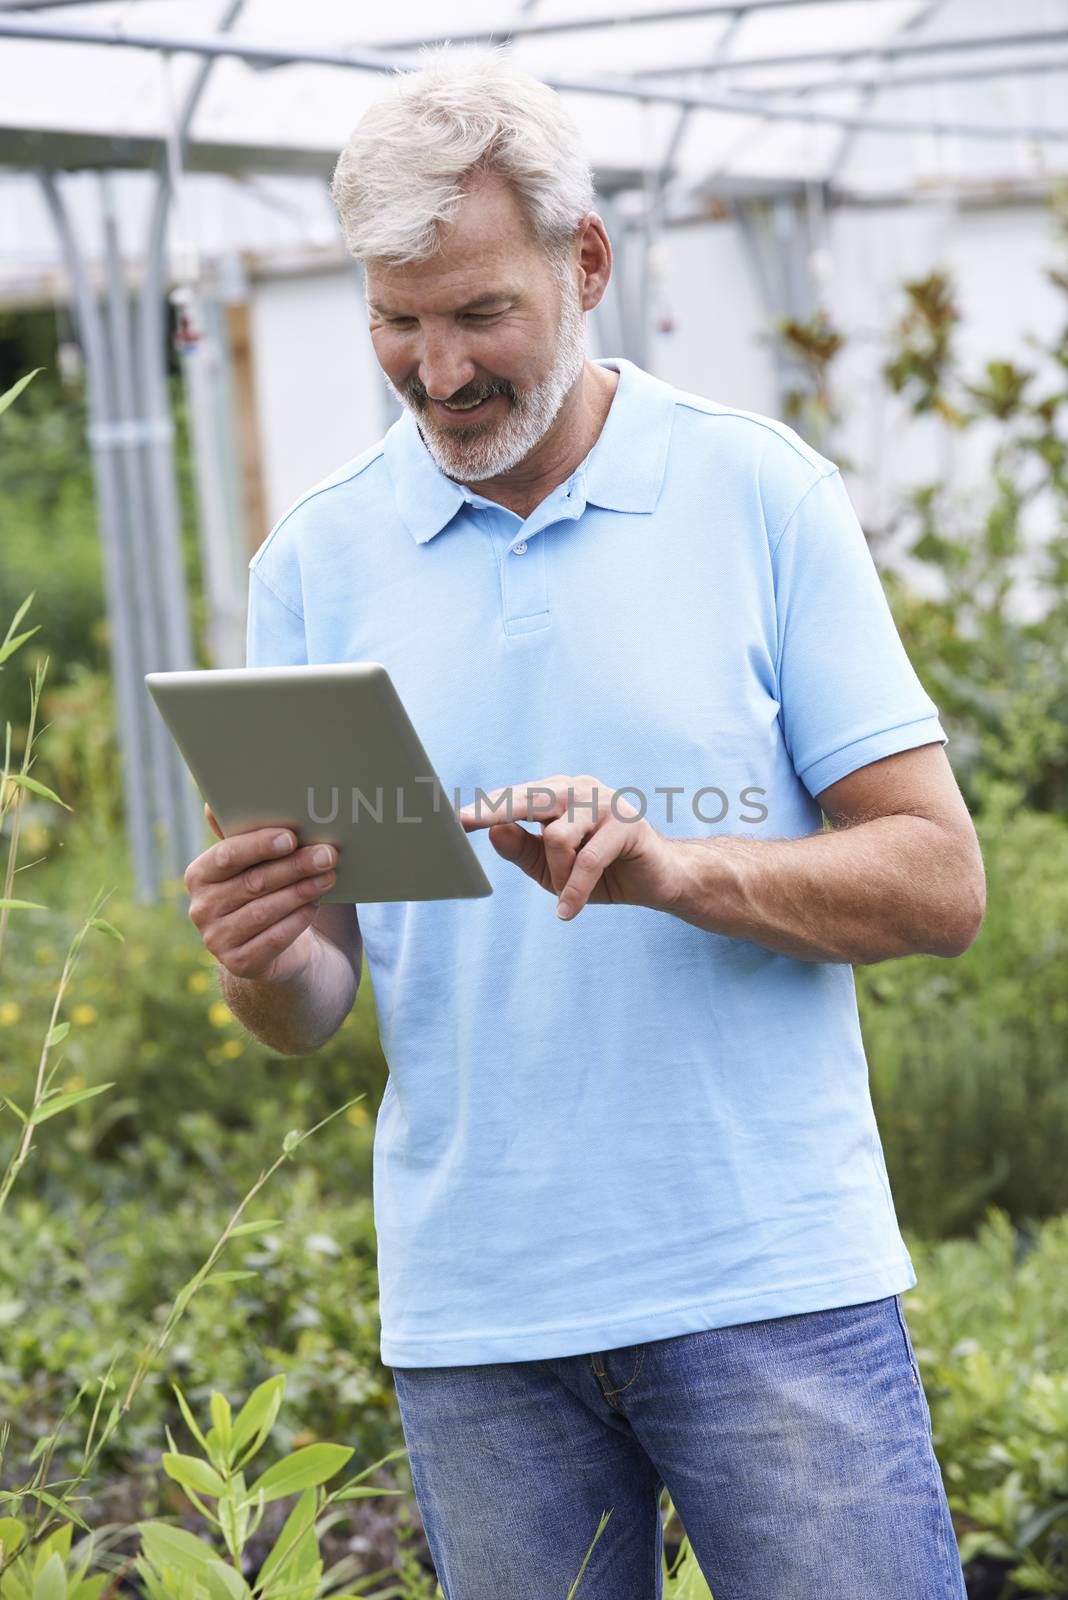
column 467, row 412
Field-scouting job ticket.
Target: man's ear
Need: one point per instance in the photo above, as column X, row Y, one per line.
column 595, row 258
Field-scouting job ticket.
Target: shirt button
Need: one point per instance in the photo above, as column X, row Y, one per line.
column 518, row 549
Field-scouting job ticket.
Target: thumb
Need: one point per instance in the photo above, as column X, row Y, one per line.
column 516, row 844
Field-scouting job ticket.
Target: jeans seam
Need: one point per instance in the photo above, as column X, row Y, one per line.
column 953, row 1586
column 634, row 1374
column 907, row 1342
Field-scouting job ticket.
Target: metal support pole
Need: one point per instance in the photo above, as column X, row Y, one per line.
column 138, row 519
column 103, row 440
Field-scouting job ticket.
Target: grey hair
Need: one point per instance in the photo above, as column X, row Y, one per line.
column 415, row 152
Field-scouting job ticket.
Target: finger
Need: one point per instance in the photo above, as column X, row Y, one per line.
column 213, row 822
column 563, row 841
column 232, row 855
column 522, row 848
column 590, row 865
column 255, row 917
column 251, row 958
column 264, row 878
column 538, row 801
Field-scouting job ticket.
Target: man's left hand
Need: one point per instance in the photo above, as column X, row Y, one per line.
column 594, row 845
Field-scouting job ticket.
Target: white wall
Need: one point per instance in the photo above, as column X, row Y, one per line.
column 320, row 394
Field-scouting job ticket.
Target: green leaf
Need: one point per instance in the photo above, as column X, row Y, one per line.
column 186, row 1293
column 51, row 1582
column 16, row 389
column 301, row 1470
column 221, row 1417
column 224, row 1583
column 291, row 1140
column 20, row 1114
column 257, row 1415
column 255, row 1227
column 394, row 1455
column 192, row 1473
column 63, row 1507
column 283, row 1550
column 190, row 1420
column 38, row 788
column 229, row 1276
column 362, row 1491
column 106, row 927
column 61, row 1102
column 57, row 1034
column 166, row 1546
column 12, row 1533
column 89, row 1588
column 10, row 645
column 22, row 905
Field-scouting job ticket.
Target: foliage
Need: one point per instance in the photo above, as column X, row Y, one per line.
column 810, row 345
column 998, row 676
column 51, row 537
column 174, row 1562
column 989, row 1320
column 967, row 1056
column 48, row 1502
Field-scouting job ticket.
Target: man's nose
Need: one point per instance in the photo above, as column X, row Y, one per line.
column 444, row 368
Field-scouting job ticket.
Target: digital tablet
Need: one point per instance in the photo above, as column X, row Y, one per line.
column 330, row 752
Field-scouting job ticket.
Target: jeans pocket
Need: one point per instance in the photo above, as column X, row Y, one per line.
column 908, row 1342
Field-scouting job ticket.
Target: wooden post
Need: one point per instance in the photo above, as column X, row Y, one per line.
column 238, row 327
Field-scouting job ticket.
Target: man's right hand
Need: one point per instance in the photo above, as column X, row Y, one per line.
column 254, row 904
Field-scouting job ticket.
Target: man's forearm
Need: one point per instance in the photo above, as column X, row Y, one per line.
column 888, row 887
column 298, row 1015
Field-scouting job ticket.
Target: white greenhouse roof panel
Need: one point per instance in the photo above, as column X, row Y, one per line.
column 780, row 86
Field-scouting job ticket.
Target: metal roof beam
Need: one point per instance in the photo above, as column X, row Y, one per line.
column 635, row 87
column 521, row 29
column 910, row 80
column 890, row 51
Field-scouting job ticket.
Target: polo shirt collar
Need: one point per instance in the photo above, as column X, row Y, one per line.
column 623, row 472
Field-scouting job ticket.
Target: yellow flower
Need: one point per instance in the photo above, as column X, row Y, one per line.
column 44, row 953
column 83, row 1014
column 219, row 1014
column 197, row 982
column 10, row 1011
column 232, row 1049
column 358, row 1116
column 75, row 1081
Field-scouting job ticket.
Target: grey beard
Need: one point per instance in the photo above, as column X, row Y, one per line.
column 487, row 449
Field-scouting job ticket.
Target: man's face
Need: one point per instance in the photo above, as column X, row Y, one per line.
column 485, row 324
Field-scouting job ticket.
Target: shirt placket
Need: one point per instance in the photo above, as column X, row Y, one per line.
column 522, row 558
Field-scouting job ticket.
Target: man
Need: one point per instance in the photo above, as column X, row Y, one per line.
column 633, row 1220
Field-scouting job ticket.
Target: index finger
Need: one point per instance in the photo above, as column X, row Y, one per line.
column 523, row 802
column 240, row 850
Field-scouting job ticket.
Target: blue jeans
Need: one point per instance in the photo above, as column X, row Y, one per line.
column 797, row 1452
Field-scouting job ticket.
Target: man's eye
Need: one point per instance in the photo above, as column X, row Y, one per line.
column 480, row 316
column 400, row 322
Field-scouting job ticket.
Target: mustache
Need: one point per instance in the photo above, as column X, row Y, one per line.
column 415, row 391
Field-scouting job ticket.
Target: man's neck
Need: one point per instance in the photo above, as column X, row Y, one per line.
column 568, row 442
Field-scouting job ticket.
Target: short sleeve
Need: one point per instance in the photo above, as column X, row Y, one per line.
column 275, row 630
column 848, row 694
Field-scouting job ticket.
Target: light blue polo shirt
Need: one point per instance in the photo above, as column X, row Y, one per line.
column 621, row 1128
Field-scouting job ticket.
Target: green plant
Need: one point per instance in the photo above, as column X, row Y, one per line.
column 989, row 1321
column 51, row 1571
column 174, row 1562
column 998, row 675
